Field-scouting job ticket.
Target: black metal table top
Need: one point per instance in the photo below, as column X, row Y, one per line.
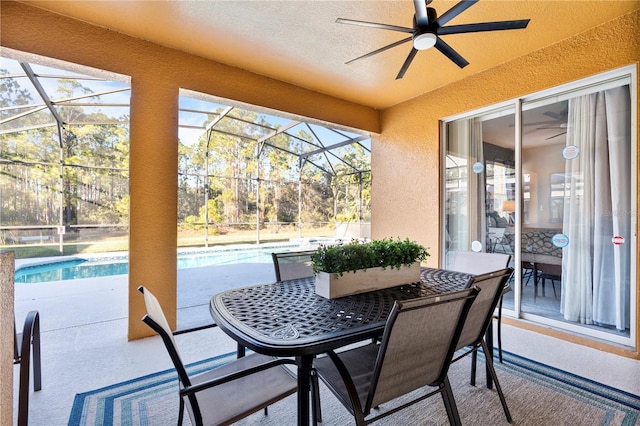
column 288, row 318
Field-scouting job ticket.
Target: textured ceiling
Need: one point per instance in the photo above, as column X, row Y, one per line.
column 299, row 42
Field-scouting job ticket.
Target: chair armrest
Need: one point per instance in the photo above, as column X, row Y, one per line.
column 189, row 390
column 190, row 329
column 348, row 382
column 30, row 333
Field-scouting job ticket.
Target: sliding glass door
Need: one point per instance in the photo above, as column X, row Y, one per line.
column 479, row 181
column 556, row 189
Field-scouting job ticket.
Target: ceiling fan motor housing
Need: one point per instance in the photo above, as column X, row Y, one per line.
column 423, row 40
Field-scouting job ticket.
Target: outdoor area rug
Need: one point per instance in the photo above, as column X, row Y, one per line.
column 536, row 394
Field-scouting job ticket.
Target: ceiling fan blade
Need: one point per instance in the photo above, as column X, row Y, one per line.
column 406, row 64
column 553, row 115
column 382, row 49
column 555, row 136
column 536, row 123
column 450, row 53
column 552, row 127
column 484, row 26
column 455, row 11
column 374, row 25
column 422, row 19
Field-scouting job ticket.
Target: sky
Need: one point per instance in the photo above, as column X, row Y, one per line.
column 49, row 77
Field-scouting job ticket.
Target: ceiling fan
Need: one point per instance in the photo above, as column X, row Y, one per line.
column 428, row 27
column 559, row 121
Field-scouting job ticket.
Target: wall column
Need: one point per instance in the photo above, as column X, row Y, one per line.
column 153, row 198
column 7, row 266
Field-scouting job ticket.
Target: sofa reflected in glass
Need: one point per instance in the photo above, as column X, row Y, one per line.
column 541, row 259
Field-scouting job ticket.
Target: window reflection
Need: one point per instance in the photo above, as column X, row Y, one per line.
column 577, row 189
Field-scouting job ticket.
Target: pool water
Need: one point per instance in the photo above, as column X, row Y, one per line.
column 91, row 268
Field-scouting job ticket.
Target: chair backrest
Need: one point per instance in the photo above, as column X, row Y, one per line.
column 549, row 269
column 156, row 319
column 491, row 286
column 293, row 264
column 476, row 263
column 412, row 357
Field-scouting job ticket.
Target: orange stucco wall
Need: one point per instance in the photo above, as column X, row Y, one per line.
column 157, row 73
column 405, row 157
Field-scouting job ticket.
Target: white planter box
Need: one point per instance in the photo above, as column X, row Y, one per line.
column 332, row 286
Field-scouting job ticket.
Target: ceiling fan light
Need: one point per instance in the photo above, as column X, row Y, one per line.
column 424, row 41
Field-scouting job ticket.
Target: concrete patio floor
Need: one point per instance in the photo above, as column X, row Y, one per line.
column 84, row 337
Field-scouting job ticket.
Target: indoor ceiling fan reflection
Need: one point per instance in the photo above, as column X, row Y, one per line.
column 560, row 119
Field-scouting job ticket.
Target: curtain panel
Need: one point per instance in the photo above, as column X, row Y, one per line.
column 595, row 271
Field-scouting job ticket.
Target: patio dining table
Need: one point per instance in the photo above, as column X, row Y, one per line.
column 289, row 319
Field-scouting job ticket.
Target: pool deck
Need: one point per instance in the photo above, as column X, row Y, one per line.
column 85, row 346
column 84, row 324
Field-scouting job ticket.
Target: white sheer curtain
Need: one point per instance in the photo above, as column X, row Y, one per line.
column 477, row 185
column 468, row 223
column 612, row 269
column 595, row 273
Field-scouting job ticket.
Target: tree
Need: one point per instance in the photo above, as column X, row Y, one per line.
column 94, row 165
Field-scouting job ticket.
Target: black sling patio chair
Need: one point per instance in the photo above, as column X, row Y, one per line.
column 292, row 264
column 481, row 263
column 228, row 393
column 406, row 359
column 478, row 319
column 26, row 346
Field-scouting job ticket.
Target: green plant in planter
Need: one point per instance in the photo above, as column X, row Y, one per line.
column 356, row 255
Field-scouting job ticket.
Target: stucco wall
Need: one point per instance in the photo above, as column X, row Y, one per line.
column 157, row 73
column 30, row 29
column 405, row 157
column 7, row 266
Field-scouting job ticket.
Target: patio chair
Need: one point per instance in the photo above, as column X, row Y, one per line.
column 407, row 358
column 543, row 272
column 26, row 346
column 289, row 266
column 293, row 264
column 228, row 393
column 480, row 263
column 478, row 319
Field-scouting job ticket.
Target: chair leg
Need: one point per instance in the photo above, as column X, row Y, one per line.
column 474, row 364
column 500, row 330
column 240, row 351
column 181, row 412
column 23, row 389
column 450, row 404
column 492, row 371
column 30, row 348
column 37, row 364
column 315, row 397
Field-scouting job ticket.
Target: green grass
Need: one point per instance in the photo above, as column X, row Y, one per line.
column 108, row 244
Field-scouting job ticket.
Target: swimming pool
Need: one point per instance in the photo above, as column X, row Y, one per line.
column 92, row 267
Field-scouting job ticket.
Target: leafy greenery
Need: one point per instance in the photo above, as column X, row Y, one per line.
column 357, row 255
column 80, row 177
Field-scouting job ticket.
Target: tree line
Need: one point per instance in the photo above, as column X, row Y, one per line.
column 80, row 175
